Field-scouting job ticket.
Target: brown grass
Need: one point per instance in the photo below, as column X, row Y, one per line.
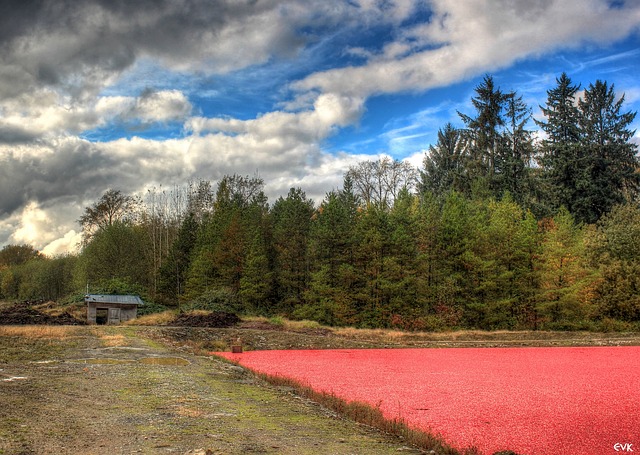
column 113, row 341
column 352, row 332
column 286, row 324
column 39, row 331
column 164, row 318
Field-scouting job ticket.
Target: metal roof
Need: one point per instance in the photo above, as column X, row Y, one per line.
column 122, row 299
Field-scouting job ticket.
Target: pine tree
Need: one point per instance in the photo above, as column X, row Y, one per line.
column 227, row 235
column 516, row 151
column 510, row 246
column 560, row 152
column 608, row 169
column 256, row 281
column 443, row 165
column 400, row 272
column 291, row 219
column 334, row 282
column 483, row 135
column 370, row 260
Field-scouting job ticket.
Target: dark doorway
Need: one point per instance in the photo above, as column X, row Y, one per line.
column 102, row 316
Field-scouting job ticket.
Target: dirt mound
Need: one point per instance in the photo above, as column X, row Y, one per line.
column 24, row 314
column 216, row 319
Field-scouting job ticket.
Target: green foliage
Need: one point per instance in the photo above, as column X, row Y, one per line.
column 609, row 164
column 11, row 255
column 220, row 299
column 615, row 253
column 39, row 278
column 117, row 252
column 564, row 273
column 151, row 308
column 291, row 221
column 588, row 160
column 443, row 164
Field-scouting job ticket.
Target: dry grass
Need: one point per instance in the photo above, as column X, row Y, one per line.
column 286, row 324
column 352, row 332
column 113, row 341
column 77, row 310
column 39, row 331
column 164, row 318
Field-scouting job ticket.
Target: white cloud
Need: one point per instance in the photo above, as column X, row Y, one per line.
column 68, row 243
column 310, row 126
column 416, row 159
column 50, row 228
column 45, row 114
column 466, row 38
column 31, row 223
column 162, row 106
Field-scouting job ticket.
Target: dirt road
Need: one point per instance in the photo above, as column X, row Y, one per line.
column 89, row 390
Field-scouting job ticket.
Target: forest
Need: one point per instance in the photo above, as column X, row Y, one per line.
column 504, row 226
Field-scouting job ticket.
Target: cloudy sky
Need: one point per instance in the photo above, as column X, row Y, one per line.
column 134, row 94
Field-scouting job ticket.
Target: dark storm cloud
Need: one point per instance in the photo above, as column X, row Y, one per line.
column 16, row 135
column 18, row 17
column 75, row 168
column 76, row 45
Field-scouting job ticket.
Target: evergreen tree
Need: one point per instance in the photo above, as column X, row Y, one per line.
column 334, row 283
column 218, row 263
column 428, row 252
column 443, row 165
column 608, row 169
column 256, row 284
column 483, row 135
column 508, row 251
column 370, row 253
column 516, row 151
column 400, row 274
column 291, row 218
column 560, row 151
column 452, row 262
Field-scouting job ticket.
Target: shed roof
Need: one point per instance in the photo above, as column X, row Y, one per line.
column 121, row 299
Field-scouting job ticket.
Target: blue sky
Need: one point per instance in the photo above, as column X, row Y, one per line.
column 132, row 95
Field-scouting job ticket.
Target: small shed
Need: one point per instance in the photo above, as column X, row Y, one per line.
column 111, row 309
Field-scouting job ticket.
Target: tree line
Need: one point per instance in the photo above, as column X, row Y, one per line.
column 502, row 227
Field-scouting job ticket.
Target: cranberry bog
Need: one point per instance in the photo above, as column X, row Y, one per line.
column 535, row 400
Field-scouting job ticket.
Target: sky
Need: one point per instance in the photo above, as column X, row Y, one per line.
column 133, row 95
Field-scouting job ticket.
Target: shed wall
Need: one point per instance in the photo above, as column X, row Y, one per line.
column 126, row 313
